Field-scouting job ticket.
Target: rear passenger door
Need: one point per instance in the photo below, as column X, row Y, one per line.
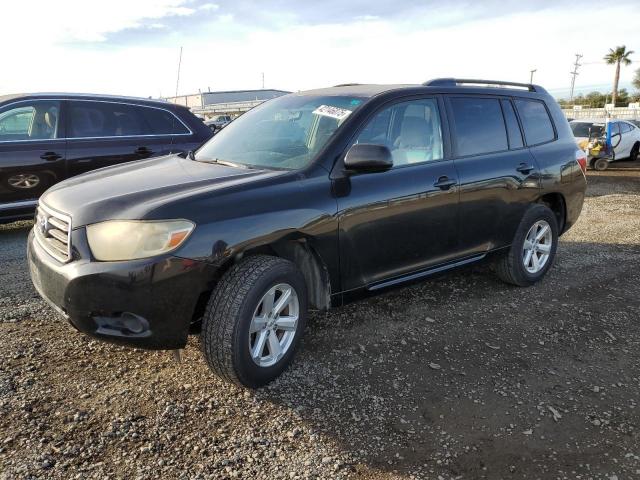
column 498, row 175
column 102, row 133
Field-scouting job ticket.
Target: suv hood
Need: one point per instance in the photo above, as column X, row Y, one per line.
column 132, row 190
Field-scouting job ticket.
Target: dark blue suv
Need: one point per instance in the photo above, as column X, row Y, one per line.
column 45, row 138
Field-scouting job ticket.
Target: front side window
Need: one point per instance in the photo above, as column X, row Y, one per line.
column 284, row 133
column 535, row 121
column 615, row 128
column 411, row 130
column 102, row 119
column 479, row 126
column 30, row 121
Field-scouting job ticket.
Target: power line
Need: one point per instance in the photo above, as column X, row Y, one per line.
column 574, row 74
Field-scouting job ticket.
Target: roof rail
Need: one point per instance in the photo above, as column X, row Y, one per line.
column 454, row 82
column 346, row 85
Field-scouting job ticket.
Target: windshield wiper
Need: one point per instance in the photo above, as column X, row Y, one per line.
column 224, row 162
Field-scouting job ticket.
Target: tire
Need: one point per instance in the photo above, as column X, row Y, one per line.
column 601, row 164
column 510, row 267
column 238, row 297
column 633, row 156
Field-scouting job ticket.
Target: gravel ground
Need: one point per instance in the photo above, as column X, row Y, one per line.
column 458, row 377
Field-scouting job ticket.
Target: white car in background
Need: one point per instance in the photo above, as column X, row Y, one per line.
column 625, row 135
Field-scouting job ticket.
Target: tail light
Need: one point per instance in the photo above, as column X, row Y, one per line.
column 581, row 158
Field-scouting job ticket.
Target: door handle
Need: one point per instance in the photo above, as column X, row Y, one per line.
column 445, row 183
column 524, row 168
column 50, row 156
column 143, row 151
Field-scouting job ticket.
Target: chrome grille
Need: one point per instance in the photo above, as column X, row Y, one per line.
column 53, row 231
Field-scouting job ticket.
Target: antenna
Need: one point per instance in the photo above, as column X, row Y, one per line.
column 178, row 76
column 262, row 80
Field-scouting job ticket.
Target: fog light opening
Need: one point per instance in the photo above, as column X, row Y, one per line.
column 133, row 323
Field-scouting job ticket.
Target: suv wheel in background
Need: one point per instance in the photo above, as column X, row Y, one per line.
column 254, row 320
column 533, row 249
column 20, row 182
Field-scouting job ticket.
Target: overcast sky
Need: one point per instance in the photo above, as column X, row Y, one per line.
column 131, row 47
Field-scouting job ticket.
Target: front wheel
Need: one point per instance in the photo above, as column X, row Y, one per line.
column 533, row 249
column 601, row 164
column 254, row 320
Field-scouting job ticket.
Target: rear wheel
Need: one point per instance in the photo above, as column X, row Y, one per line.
column 634, row 152
column 254, row 320
column 533, row 249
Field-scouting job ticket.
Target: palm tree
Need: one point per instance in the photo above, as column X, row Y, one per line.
column 617, row 57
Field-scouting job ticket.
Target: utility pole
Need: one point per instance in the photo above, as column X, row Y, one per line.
column 178, row 77
column 574, row 74
column 532, row 72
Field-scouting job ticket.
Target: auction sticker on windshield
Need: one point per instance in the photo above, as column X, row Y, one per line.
column 333, row 112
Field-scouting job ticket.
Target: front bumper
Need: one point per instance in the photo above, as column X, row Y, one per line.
column 146, row 303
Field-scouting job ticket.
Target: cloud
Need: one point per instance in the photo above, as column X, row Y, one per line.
column 82, row 21
column 131, row 47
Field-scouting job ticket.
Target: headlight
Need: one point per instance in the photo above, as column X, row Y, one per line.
column 130, row 239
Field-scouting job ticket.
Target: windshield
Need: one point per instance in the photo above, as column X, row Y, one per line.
column 283, row 133
column 581, row 129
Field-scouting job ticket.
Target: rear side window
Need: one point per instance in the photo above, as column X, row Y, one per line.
column 479, row 126
column 513, row 129
column 161, row 122
column 103, row 119
column 535, row 121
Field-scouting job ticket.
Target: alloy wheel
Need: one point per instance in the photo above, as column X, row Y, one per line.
column 537, row 246
column 24, row 181
column 273, row 325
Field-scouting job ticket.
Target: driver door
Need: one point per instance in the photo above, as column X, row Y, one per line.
column 403, row 220
column 32, row 149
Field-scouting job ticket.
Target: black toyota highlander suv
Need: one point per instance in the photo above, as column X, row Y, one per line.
column 308, row 201
column 45, row 138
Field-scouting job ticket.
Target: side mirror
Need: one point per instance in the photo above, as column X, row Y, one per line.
column 366, row 157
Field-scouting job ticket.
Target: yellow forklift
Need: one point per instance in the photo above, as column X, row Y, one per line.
column 598, row 147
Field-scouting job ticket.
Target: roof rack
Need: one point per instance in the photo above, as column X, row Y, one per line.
column 347, row 85
column 454, row 82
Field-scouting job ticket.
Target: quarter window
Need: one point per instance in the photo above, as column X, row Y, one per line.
column 411, row 130
column 535, row 121
column 30, row 121
column 479, row 126
column 161, row 122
